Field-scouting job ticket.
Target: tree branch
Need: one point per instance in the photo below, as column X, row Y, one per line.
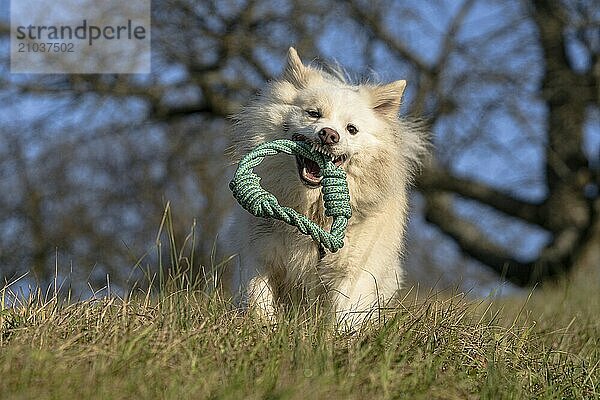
column 374, row 24
column 555, row 260
column 434, row 180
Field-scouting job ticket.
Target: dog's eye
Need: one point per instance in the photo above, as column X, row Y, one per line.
column 351, row 129
column 313, row 113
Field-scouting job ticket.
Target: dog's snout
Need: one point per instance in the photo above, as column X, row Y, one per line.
column 329, row 136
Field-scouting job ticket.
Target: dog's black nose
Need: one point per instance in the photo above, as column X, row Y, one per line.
column 329, row 136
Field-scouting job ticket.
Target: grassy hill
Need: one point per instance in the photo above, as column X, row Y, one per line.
column 183, row 343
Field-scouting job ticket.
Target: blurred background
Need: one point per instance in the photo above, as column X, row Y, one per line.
column 509, row 89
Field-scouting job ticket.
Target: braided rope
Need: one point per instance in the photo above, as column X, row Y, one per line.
column 246, row 189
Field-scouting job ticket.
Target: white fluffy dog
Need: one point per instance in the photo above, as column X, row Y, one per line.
column 359, row 126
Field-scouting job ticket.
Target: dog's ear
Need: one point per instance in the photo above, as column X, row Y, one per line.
column 295, row 72
column 386, row 99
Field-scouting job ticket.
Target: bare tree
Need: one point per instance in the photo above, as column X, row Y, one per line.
column 569, row 208
column 510, row 89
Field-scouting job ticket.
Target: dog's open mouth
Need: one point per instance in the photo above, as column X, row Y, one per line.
column 309, row 171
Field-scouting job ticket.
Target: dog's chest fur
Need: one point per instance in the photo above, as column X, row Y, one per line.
column 295, row 257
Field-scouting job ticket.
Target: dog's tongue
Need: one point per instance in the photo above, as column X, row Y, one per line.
column 312, row 168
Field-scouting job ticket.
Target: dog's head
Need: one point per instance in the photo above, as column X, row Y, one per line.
column 356, row 125
column 338, row 119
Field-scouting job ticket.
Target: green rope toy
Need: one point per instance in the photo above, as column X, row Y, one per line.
column 246, row 189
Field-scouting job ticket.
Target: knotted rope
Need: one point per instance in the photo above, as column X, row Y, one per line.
column 246, row 189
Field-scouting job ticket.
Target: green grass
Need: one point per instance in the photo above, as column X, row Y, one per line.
column 184, row 343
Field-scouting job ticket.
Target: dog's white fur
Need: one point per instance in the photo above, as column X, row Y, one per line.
column 278, row 265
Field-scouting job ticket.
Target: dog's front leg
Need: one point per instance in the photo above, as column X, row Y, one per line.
column 260, row 298
column 360, row 297
column 254, row 291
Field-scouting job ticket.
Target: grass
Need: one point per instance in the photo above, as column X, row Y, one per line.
column 185, row 343
column 181, row 341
